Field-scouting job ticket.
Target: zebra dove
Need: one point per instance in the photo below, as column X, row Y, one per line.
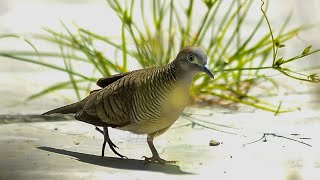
column 146, row 101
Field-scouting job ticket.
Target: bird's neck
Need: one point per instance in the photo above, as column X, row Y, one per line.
column 184, row 76
column 175, row 70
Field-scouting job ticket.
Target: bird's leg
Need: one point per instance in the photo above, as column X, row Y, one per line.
column 155, row 155
column 111, row 144
column 106, row 139
column 99, row 130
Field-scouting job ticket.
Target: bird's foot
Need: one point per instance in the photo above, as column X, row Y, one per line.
column 157, row 159
column 112, row 146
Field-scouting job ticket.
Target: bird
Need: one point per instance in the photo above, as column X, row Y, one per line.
column 144, row 101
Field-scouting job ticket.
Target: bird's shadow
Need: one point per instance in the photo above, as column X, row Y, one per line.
column 118, row 163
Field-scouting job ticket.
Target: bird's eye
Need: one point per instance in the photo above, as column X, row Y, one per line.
column 190, row 58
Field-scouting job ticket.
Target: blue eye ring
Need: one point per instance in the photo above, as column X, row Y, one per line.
column 190, row 57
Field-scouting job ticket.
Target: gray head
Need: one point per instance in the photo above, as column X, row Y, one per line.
column 193, row 60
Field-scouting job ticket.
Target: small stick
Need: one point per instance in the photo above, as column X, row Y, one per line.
column 280, row 136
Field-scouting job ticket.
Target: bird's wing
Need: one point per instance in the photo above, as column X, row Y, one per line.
column 89, row 117
column 114, row 103
column 85, row 117
column 103, row 82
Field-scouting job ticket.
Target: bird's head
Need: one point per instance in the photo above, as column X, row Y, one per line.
column 193, row 60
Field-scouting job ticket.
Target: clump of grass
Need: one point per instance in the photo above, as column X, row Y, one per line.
column 238, row 60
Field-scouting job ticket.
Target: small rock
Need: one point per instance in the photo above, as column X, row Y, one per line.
column 56, row 129
column 214, row 143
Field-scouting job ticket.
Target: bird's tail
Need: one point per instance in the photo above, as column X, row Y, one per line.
column 71, row 108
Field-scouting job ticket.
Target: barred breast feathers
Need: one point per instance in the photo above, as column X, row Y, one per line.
column 155, row 84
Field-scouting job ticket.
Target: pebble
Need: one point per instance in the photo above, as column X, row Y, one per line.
column 214, row 143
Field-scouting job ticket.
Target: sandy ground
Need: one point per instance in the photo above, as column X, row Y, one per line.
column 71, row 149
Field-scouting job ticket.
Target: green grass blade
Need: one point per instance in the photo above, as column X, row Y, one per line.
column 51, row 89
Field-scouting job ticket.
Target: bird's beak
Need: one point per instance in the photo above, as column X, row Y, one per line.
column 208, row 71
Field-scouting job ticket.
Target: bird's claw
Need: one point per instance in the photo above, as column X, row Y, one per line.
column 121, row 156
column 124, row 157
column 112, row 144
column 157, row 159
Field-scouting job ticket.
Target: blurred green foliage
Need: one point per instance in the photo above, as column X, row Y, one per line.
column 162, row 29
